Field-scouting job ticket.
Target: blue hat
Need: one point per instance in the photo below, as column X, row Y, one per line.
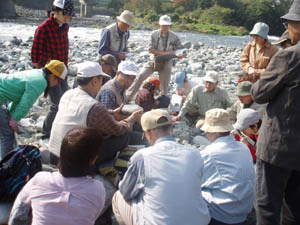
column 179, row 79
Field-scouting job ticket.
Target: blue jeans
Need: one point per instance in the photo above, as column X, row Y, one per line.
column 7, row 137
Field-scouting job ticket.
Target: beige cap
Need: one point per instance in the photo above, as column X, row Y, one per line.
column 126, row 17
column 151, row 119
column 211, row 76
column 58, row 68
column 217, row 120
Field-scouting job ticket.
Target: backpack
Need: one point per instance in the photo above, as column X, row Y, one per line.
column 17, row 167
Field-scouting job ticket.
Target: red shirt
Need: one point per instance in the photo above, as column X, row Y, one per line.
column 251, row 147
column 145, row 99
column 50, row 42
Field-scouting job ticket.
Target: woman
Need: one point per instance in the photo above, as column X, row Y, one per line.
column 21, row 90
column 257, row 54
column 51, row 42
column 69, row 196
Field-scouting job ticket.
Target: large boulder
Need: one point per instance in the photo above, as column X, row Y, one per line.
column 7, row 9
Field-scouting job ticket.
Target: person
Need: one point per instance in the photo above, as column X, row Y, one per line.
column 203, row 98
column 51, row 42
column 245, row 100
column 284, row 41
column 277, row 155
column 228, row 177
column 163, row 42
column 258, row 53
column 112, row 94
column 21, row 90
column 246, row 129
column 78, row 107
column 145, row 97
column 183, row 85
column 162, row 183
column 69, row 195
column 114, row 38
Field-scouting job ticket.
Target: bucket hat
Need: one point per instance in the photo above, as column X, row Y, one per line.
column 260, row 29
column 243, row 88
column 211, row 76
column 165, row 20
column 58, row 68
column 155, row 118
column 126, row 17
column 217, row 120
column 245, row 118
column 128, row 67
column 179, row 79
column 91, row 69
column 294, row 12
column 66, row 5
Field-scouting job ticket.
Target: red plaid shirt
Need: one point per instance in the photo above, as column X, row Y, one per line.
column 50, row 42
column 145, row 99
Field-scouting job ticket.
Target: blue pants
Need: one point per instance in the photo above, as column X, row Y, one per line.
column 7, row 138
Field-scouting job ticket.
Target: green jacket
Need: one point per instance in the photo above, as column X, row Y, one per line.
column 21, row 89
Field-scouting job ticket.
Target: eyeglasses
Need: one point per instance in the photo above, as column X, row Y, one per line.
column 285, row 24
column 129, row 77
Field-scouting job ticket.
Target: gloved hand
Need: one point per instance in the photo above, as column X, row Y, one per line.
column 13, row 125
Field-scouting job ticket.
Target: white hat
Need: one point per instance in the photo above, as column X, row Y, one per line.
column 245, row 118
column 128, row 67
column 217, row 120
column 90, row 69
column 165, row 20
column 126, row 17
column 211, row 76
column 59, row 3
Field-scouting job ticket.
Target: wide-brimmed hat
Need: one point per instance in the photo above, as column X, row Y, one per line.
column 58, row 68
column 244, row 88
column 128, row 67
column 217, row 120
column 155, row 118
column 110, row 60
column 211, row 76
column 284, row 37
column 165, row 20
column 179, row 79
column 90, row 69
column 260, row 29
column 245, row 118
column 66, row 5
column 294, row 12
column 126, row 17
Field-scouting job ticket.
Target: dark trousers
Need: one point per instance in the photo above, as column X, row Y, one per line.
column 55, row 94
column 216, row 222
column 7, row 137
column 277, row 195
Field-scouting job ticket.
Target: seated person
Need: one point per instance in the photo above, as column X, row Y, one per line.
column 145, row 97
column 162, row 183
column 243, row 92
column 183, row 85
column 228, row 177
column 203, row 98
column 69, row 196
column 284, row 41
column 246, row 129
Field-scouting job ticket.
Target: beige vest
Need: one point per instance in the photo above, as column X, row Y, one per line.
column 111, row 86
column 72, row 112
column 117, row 43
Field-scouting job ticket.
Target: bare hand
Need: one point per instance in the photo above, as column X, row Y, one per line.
column 137, row 115
column 180, row 56
column 35, row 65
column 244, row 140
column 176, row 118
column 118, row 115
column 121, row 55
column 13, row 125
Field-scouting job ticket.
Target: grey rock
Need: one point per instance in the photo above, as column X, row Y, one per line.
column 200, row 140
column 187, row 44
column 4, row 58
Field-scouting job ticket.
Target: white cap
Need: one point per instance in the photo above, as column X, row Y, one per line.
column 245, row 118
column 211, row 76
column 59, row 3
column 90, row 69
column 129, row 68
column 165, row 20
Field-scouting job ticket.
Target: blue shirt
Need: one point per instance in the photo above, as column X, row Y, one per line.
column 228, row 180
column 108, row 98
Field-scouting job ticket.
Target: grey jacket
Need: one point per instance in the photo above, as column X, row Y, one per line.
column 279, row 137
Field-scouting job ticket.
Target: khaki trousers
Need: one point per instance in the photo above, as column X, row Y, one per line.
column 122, row 210
column 164, row 77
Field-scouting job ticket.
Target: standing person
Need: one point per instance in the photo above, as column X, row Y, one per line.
column 163, row 42
column 51, row 42
column 114, row 38
column 21, row 90
column 258, row 53
column 278, row 155
column 163, row 182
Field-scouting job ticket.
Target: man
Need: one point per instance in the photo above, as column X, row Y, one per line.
column 278, row 155
column 203, row 98
column 163, row 43
column 243, row 92
column 78, row 107
column 112, row 94
column 114, row 38
column 21, row 90
column 228, row 177
column 162, row 183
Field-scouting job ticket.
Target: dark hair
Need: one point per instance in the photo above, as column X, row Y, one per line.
column 47, row 74
column 149, row 86
column 79, row 147
column 53, row 9
column 82, row 81
column 164, row 128
column 223, row 134
column 258, row 125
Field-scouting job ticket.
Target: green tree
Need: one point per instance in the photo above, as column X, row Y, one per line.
column 217, row 15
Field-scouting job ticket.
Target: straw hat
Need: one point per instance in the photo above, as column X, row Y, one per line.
column 126, row 17
column 217, row 120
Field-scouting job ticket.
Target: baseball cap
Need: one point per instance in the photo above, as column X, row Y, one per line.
column 155, row 81
column 128, row 67
column 110, row 60
column 245, row 118
column 211, row 76
column 126, row 17
column 66, row 5
column 179, row 79
column 152, row 119
column 244, row 88
column 165, row 20
column 58, row 68
column 217, row 120
column 90, row 69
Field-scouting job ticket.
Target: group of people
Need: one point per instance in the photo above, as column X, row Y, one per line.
column 252, row 159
